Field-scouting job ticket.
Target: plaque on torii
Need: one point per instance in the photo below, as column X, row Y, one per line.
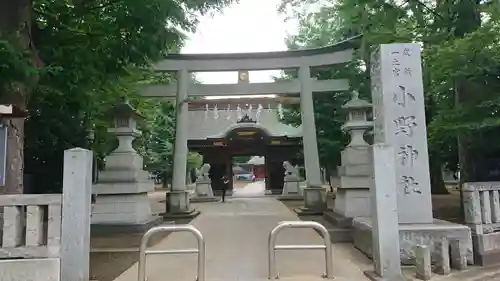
column 243, row 76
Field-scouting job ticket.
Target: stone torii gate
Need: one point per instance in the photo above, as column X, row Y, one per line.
column 304, row 86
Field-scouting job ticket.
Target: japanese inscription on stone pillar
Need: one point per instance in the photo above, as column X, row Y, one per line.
column 399, row 120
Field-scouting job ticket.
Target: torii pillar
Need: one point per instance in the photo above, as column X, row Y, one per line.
column 178, row 197
column 314, row 193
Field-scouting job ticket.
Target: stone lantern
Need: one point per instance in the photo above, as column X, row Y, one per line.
column 123, row 186
column 125, row 119
column 353, row 194
column 357, row 119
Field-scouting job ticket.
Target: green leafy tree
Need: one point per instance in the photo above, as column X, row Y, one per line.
column 67, row 62
column 460, row 64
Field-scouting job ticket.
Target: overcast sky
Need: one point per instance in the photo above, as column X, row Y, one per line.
column 249, row 26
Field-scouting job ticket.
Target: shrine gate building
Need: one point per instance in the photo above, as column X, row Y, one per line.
column 223, row 128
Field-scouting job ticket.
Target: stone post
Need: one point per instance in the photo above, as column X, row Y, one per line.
column 384, row 206
column 76, row 209
column 178, row 197
column 353, row 194
column 314, row 194
column 423, row 262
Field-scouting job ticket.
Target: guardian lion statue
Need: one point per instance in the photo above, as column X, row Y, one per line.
column 203, row 172
column 290, row 170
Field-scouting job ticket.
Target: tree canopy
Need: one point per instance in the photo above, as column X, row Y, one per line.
column 68, row 62
column 460, row 63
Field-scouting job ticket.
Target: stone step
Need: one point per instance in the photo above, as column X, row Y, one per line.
column 337, row 234
column 336, row 219
column 281, row 278
column 340, row 235
column 488, row 258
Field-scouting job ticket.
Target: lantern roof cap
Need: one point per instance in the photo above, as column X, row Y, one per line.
column 356, row 102
column 124, row 110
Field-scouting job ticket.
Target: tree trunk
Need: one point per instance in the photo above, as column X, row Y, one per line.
column 329, row 177
column 437, row 181
column 466, row 19
column 15, row 26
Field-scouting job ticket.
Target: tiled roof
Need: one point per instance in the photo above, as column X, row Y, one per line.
column 203, row 125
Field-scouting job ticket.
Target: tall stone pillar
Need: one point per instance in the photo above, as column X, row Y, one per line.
column 314, row 194
column 353, row 194
column 399, row 125
column 399, row 120
column 178, row 196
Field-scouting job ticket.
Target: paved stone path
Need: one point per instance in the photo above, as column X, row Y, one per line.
column 236, row 236
column 252, row 189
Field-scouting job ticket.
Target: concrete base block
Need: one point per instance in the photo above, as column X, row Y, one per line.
column 177, row 201
column 119, row 188
column 353, row 202
column 314, row 200
column 372, row 275
column 190, row 214
column 203, row 192
column 291, row 187
column 125, row 161
column 106, row 229
column 411, row 235
column 337, row 219
column 487, row 248
column 302, row 211
column 125, row 209
column 204, row 189
column 113, row 176
column 290, row 197
column 178, row 206
column 342, row 227
column 30, row 270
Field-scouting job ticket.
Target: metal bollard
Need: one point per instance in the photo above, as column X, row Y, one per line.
column 172, row 228
column 272, row 247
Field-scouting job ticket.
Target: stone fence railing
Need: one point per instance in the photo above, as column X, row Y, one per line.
column 482, row 206
column 47, row 236
column 482, row 215
column 31, row 226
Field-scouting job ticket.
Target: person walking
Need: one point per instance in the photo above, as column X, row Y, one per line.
column 225, row 186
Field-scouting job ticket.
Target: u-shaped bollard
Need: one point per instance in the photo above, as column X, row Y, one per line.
column 272, row 247
column 143, row 252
